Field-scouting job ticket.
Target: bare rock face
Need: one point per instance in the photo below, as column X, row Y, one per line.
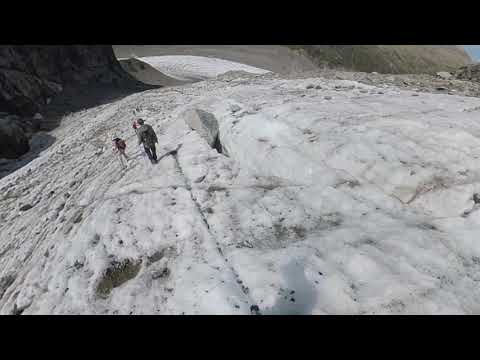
column 204, row 123
column 31, row 76
column 469, row 72
column 13, row 140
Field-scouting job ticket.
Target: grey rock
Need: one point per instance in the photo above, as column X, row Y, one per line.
column 32, row 77
column 204, row 123
column 444, row 75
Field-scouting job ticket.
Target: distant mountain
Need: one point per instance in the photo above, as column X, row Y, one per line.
column 394, row 59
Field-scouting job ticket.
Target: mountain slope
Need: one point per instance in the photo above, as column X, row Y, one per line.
column 328, row 197
column 394, row 59
column 60, row 78
column 275, row 58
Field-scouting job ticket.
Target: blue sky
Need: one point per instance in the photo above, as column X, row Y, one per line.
column 474, row 51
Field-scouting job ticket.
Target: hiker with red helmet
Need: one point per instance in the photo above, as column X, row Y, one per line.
column 119, row 146
column 135, row 125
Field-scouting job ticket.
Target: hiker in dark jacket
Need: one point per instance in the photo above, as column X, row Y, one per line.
column 147, row 137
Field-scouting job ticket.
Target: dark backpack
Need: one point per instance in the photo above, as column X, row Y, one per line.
column 121, row 145
column 147, row 135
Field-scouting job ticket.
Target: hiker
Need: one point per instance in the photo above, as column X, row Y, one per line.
column 147, row 137
column 119, row 146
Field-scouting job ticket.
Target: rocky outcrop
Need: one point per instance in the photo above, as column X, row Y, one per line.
column 388, row 59
column 469, row 72
column 204, row 123
column 13, row 138
column 32, row 77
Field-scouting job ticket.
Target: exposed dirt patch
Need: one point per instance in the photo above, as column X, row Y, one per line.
column 117, row 273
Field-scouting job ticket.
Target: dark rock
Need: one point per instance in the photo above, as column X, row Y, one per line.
column 26, row 207
column 161, row 273
column 328, row 98
column 77, row 217
column 469, row 72
column 5, row 282
column 156, row 256
column 116, row 274
column 33, row 77
column 13, row 140
column 200, row 179
column 29, row 75
column 254, row 310
column 476, row 198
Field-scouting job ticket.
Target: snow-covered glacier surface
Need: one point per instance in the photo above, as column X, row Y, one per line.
column 329, row 197
column 188, row 67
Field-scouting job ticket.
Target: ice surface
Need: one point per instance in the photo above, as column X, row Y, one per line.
column 187, row 67
column 337, row 200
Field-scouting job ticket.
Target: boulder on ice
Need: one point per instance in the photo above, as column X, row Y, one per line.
column 204, row 123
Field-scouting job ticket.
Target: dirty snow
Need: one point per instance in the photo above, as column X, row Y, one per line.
column 187, row 67
column 337, row 199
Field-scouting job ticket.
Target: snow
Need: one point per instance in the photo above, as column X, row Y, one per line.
column 353, row 205
column 187, row 67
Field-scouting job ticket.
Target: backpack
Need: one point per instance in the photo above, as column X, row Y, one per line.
column 121, row 145
column 147, row 135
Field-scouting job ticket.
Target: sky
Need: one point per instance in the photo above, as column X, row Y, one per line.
column 474, row 51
